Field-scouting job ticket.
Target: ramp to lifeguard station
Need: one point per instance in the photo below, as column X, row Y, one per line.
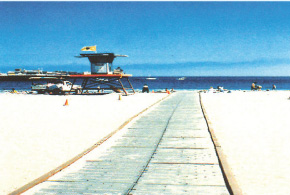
column 166, row 151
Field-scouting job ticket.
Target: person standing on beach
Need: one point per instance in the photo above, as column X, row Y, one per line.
column 253, row 87
column 274, row 87
column 145, row 89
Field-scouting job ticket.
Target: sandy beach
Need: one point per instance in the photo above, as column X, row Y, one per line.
column 38, row 133
column 253, row 131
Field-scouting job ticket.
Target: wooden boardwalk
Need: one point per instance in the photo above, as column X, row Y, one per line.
column 166, row 151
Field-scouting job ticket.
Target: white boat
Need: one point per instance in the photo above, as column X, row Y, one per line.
column 181, row 78
column 150, row 78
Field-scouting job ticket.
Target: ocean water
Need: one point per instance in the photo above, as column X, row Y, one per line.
column 190, row 83
column 230, row 83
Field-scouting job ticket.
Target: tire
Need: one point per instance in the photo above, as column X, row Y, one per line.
column 56, row 91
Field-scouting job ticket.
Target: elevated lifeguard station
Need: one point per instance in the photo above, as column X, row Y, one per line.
column 101, row 63
column 102, row 76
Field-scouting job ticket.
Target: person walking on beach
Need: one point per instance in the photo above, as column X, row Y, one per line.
column 145, row 89
column 274, row 87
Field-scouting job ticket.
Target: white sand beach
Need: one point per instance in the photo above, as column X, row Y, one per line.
column 253, row 129
column 38, row 133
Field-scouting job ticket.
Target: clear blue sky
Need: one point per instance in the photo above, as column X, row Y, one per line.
column 161, row 38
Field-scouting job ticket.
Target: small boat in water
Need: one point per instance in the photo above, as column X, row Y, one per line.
column 181, row 78
column 150, row 78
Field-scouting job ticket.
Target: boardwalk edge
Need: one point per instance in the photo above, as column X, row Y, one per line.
column 229, row 177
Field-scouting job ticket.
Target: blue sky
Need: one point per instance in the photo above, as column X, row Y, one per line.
column 161, row 38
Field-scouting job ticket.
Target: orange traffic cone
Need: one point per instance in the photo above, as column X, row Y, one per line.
column 66, row 103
